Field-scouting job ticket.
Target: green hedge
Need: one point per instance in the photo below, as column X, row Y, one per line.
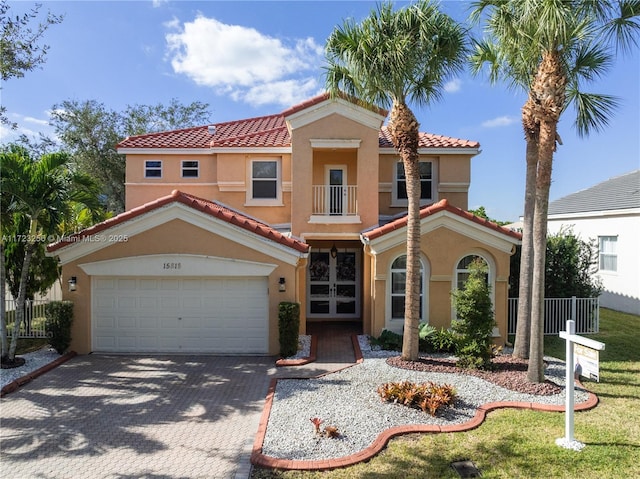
column 59, row 316
column 288, row 327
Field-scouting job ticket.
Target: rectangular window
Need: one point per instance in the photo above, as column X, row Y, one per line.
column 189, row 169
column 426, row 181
column 608, row 260
column 264, row 180
column 153, row 169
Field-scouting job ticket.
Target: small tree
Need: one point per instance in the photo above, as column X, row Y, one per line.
column 475, row 320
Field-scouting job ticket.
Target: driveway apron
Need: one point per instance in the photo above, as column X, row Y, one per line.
column 169, row 417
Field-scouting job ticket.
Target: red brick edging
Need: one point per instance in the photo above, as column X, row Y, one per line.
column 313, row 354
column 18, row 383
column 259, row 459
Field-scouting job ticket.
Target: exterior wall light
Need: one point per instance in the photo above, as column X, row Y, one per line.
column 73, row 283
column 334, row 251
column 282, row 285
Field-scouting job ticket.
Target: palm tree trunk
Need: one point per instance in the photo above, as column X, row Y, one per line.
column 22, row 291
column 548, row 94
column 3, row 297
column 523, row 325
column 404, row 130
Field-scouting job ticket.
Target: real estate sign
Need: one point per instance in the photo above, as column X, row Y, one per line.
column 586, row 362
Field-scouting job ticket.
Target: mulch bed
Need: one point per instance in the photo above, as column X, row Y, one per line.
column 508, row 372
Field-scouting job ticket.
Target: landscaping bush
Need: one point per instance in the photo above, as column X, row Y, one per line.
column 59, row 316
column 429, row 397
column 433, row 340
column 387, row 340
column 475, row 321
column 288, row 328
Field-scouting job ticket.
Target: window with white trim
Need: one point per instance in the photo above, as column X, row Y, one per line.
column 190, row 168
column 463, row 272
column 153, row 169
column 400, row 183
column 398, row 287
column 608, row 255
column 265, row 181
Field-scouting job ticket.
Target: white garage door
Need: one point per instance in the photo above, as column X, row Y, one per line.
column 180, row 315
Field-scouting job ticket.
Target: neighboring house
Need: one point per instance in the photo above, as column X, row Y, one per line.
column 609, row 213
column 225, row 221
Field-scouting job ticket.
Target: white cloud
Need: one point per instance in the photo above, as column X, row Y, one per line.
column 453, row 86
column 159, row 3
column 500, row 121
column 243, row 62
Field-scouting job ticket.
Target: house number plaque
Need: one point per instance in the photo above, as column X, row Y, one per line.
column 171, row 265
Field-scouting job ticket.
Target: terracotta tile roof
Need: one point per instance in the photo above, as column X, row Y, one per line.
column 263, row 132
column 209, row 207
column 442, row 205
column 429, row 140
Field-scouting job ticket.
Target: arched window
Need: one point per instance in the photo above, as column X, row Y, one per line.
column 462, row 270
column 398, row 283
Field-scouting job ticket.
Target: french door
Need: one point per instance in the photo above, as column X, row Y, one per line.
column 336, row 183
column 334, row 284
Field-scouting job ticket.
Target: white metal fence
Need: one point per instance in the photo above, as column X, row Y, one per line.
column 33, row 324
column 584, row 311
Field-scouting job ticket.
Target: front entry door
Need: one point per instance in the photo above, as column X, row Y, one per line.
column 334, row 284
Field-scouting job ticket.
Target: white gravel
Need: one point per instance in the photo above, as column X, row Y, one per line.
column 33, row 361
column 348, row 400
column 304, row 347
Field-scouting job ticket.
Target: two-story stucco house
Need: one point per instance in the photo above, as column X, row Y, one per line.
column 225, row 221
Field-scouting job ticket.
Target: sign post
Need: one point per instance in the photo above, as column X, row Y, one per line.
column 568, row 442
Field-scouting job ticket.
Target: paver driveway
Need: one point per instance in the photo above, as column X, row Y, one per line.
column 122, row 417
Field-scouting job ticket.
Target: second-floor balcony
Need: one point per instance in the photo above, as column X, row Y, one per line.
column 335, row 204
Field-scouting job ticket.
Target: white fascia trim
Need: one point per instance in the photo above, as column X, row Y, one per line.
column 232, row 186
column 187, row 214
column 334, row 143
column 189, row 265
column 203, row 151
column 434, row 151
column 338, row 106
column 453, row 222
column 595, row 214
column 164, row 151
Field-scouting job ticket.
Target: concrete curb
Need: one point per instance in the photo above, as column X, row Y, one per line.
column 259, row 459
column 27, row 378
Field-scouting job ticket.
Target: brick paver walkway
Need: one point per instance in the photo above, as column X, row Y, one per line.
column 145, row 417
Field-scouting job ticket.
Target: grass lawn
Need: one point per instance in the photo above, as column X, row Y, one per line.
column 521, row 444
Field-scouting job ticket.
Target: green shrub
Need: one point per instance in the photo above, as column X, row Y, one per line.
column 388, row 340
column 433, row 340
column 429, row 397
column 475, row 321
column 59, row 316
column 288, row 327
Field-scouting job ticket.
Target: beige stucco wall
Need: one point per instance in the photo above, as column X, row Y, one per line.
column 174, row 237
column 308, row 163
column 442, row 249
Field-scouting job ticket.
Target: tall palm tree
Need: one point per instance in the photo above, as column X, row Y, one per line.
column 549, row 47
column 42, row 191
column 391, row 58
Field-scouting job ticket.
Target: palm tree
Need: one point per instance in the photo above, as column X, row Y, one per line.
column 390, row 59
column 549, row 47
column 41, row 191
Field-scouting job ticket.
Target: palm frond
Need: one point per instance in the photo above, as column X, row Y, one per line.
column 593, row 111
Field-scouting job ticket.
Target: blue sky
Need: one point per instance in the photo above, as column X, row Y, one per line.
column 249, row 59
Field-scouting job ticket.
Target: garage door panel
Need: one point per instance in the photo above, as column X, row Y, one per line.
column 219, row 315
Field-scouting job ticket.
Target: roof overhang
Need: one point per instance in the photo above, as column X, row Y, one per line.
column 451, row 221
column 137, row 225
column 332, row 106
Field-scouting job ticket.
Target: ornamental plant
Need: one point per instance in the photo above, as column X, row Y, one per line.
column 429, row 397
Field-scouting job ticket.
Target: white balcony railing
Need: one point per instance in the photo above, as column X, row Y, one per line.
column 335, row 200
column 584, row 311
